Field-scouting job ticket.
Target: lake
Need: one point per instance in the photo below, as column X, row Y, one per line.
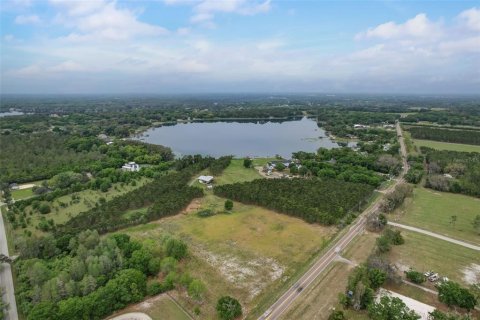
column 10, row 113
column 240, row 139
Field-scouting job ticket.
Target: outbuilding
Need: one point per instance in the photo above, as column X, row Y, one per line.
column 205, row 179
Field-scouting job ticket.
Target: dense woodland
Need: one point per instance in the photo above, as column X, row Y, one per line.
column 446, row 135
column 453, row 171
column 325, row 201
column 94, row 276
column 347, row 165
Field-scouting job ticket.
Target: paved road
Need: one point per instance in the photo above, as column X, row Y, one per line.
column 436, row 235
column 282, row 304
column 6, row 280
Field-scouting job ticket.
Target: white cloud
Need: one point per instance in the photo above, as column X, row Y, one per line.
column 205, row 10
column 27, row 19
column 418, row 27
column 9, row 37
column 102, row 20
column 471, row 18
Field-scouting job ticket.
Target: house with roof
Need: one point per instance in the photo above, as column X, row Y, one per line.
column 131, row 166
column 205, row 179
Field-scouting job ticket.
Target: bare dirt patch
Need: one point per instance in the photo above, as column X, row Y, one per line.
column 194, row 206
column 251, row 274
column 471, row 274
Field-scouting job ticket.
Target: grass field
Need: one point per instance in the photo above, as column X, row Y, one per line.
column 247, row 253
column 432, row 210
column 334, row 281
column 160, row 307
column 22, row 194
column 87, row 199
column 425, row 253
column 236, row 172
column 446, row 145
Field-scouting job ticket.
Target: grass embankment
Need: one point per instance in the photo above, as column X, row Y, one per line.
column 75, row 203
column 423, row 253
column 247, row 253
column 332, row 282
column 160, row 307
column 22, row 194
column 432, row 210
column 446, row 145
column 236, row 172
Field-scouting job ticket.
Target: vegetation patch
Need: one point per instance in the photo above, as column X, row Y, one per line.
column 424, row 253
column 325, row 201
column 433, row 211
column 445, row 135
column 446, row 146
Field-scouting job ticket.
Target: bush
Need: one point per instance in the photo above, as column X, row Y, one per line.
column 415, row 276
column 154, row 288
column 205, row 213
column 452, row 294
column 337, row 315
column 176, row 248
column 44, row 208
column 228, row 205
column 228, row 308
column 247, row 162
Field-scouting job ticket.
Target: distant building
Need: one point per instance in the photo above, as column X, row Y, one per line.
column 131, row 166
column 448, row 176
column 359, row 126
column 205, row 179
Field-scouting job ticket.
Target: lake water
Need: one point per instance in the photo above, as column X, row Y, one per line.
column 10, row 113
column 253, row 139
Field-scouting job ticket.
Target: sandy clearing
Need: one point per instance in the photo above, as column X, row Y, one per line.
column 421, row 308
column 132, row 316
column 471, row 274
column 26, row 186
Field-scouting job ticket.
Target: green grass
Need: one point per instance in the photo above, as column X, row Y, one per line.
column 446, row 145
column 238, row 253
column 22, row 194
column 424, row 253
column 166, row 309
column 236, row 172
column 88, row 198
column 432, row 211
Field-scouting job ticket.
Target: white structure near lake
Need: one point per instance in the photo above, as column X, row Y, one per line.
column 205, row 179
column 131, row 166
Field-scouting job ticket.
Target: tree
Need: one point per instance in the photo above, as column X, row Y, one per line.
column 337, row 315
column 46, row 310
column 196, row 289
column 415, row 276
column 228, row 308
column 377, row 277
column 438, row 315
column 247, row 162
column 44, row 208
column 176, row 248
column 452, row 294
column 140, row 260
column 228, row 205
column 280, row 167
column 391, row 308
column 453, row 220
column 383, row 244
column 476, row 223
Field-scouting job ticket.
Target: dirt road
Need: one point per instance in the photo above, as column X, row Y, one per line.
column 282, row 304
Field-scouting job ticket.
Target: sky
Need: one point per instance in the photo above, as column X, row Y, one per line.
column 239, row 46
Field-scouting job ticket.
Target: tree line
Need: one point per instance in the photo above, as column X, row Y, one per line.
column 325, row 201
column 446, row 135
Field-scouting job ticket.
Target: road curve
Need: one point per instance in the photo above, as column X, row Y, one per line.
column 282, row 304
column 435, row 235
column 6, row 280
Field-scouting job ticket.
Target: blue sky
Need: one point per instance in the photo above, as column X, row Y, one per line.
column 175, row 46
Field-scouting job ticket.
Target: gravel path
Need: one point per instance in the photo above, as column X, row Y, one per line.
column 132, row 316
column 435, row 235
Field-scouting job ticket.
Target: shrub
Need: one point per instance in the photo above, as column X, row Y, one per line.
column 205, row 213
column 415, row 276
column 228, row 205
column 228, row 308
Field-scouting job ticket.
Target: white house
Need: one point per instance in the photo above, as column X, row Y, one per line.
column 205, row 179
column 131, row 166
